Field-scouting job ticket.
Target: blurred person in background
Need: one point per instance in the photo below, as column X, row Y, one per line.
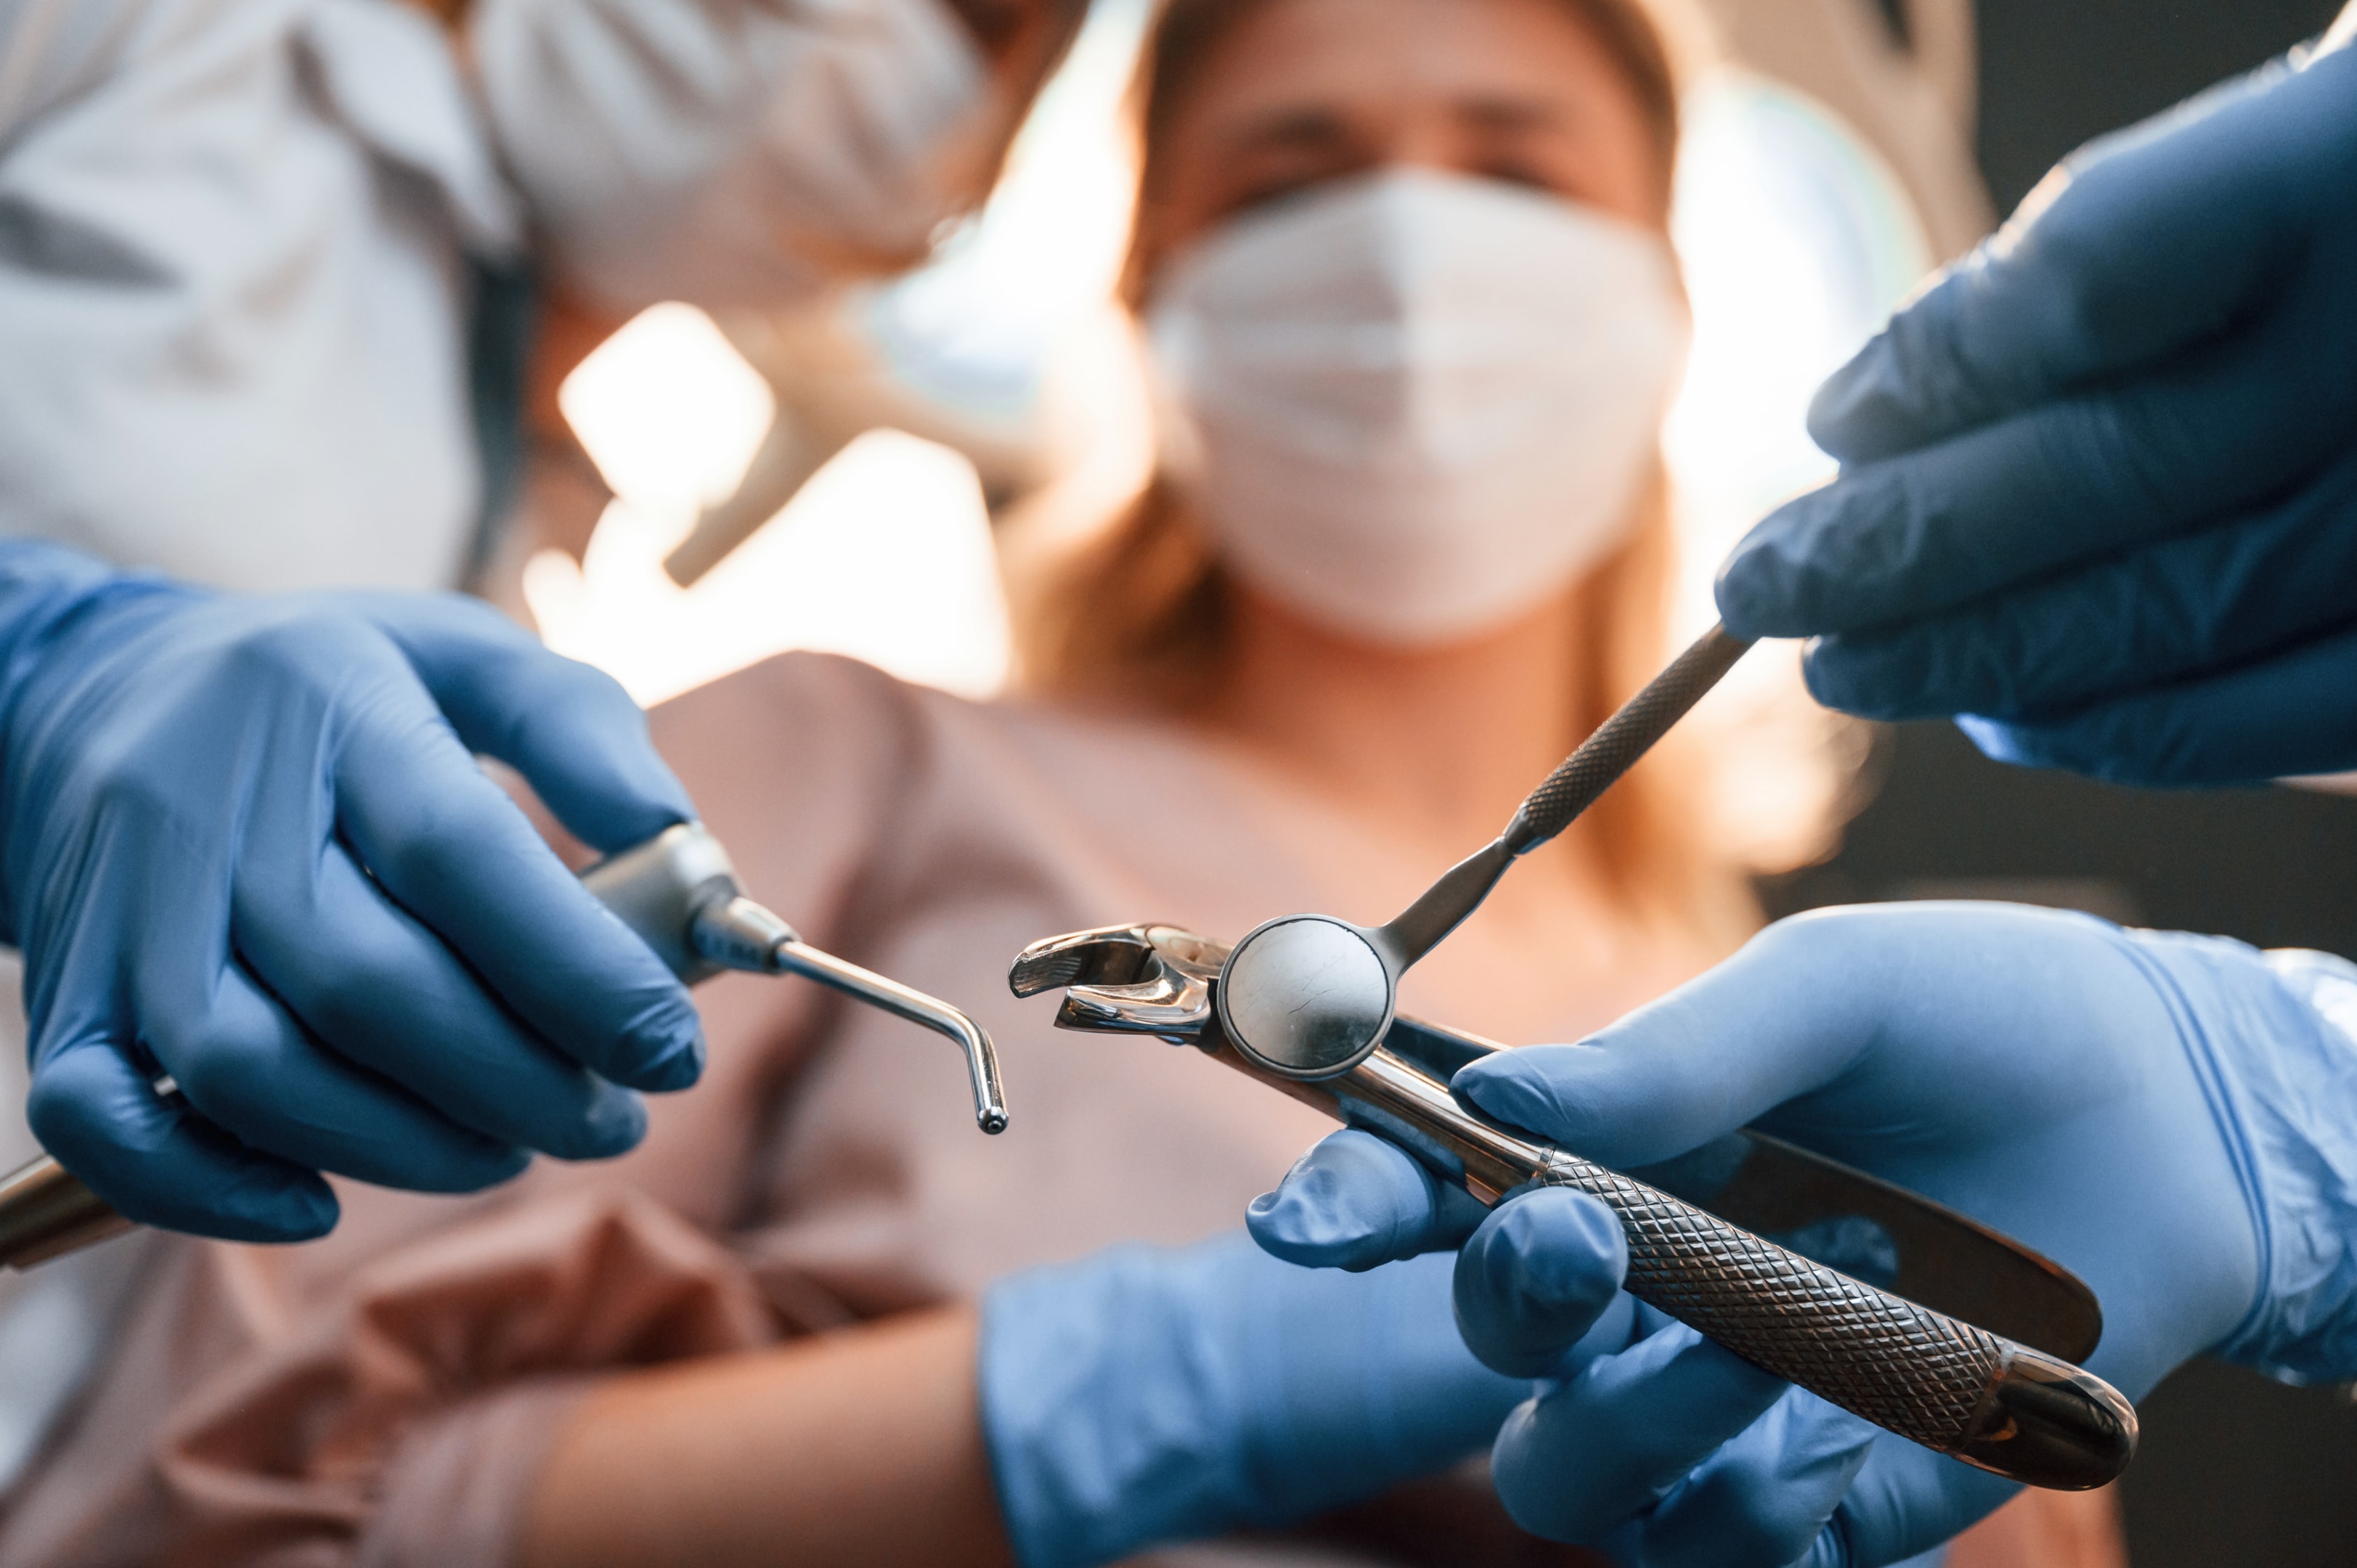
column 267, row 278
column 265, row 287
column 1414, row 322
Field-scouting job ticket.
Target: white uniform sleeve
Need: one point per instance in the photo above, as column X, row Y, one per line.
column 233, row 290
column 732, row 152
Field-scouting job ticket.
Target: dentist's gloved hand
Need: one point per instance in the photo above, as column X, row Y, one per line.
column 2099, row 484
column 1148, row 1394
column 2172, row 1117
column 244, row 843
column 1647, row 1440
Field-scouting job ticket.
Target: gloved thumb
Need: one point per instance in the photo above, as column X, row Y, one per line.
column 1354, row 1201
column 1786, row 1016
column 1536, row 1278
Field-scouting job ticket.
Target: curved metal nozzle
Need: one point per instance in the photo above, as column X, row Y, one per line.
column 737, row 933
column 980, row 1057
column 679, row 892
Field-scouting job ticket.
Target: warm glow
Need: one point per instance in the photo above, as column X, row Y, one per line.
column 1796, row 242
column 885, row 555
column 668, row 410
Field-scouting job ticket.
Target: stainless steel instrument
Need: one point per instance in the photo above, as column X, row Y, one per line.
column 1308, row 1003
column 2011, row 1403
column 1309, row 996
column 679, row 892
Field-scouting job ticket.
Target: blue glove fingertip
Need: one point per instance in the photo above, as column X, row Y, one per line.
column 1769, row 1495
column 614, row 1123
column 1605, row 1446
column 666, row 1041
column 572, row 731
column 1535, row 1087
column 1847, row 415
column 1798, row 572
column 1535, row 1278
column 1353, row 1201
column 1755, row 588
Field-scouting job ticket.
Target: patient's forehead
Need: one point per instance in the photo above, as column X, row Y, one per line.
column 1324, row 88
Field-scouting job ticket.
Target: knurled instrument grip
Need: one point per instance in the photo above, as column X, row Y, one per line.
column 1934, row 1379
column 1952, row 1386
column 1621, row 740
column 1600, row 761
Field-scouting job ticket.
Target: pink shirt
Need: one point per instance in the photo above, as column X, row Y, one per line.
column 385, row 1396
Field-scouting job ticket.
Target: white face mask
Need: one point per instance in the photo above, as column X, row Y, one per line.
column 737, row 153
column 1414, row 405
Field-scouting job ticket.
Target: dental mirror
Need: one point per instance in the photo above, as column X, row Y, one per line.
column 1308, row 996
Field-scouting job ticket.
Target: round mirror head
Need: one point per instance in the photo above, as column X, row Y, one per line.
column 1305, row 996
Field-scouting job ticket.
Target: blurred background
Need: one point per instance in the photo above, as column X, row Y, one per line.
column 854, row 476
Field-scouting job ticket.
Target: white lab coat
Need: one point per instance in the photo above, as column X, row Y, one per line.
column 235, row 293
column 226, row 349
column 233, row 237
column 233, row 297
column 737, row 154
column 233, row 288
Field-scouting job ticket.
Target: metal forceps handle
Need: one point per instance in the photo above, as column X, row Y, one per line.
column 1934, row 1379
column 1953, row 1386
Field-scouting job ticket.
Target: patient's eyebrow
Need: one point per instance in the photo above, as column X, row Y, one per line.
column 1492, row 113
column 1288, row 130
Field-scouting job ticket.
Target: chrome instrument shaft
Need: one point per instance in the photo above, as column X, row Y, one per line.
column 678, row 892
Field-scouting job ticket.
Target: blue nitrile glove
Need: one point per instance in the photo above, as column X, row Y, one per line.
column 2172, row 1117
column 246, row 847
column 2099, row 484
column 1150, row 1394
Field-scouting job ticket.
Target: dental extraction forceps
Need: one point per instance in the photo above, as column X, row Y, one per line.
column 1307, row 1005
column 681, row 895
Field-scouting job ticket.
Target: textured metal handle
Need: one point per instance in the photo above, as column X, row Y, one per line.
column 1935, row 1381
column 1621, row 740
column 1570, row 790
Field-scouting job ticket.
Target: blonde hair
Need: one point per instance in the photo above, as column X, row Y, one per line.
column 1141, row 613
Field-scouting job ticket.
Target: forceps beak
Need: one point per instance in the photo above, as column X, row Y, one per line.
column 1126, row 980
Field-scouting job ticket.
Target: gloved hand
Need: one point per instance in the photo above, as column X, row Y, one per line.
column 243, row 843
column 2172, row 1117
column 1148, row 1394
column 2099, row 484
